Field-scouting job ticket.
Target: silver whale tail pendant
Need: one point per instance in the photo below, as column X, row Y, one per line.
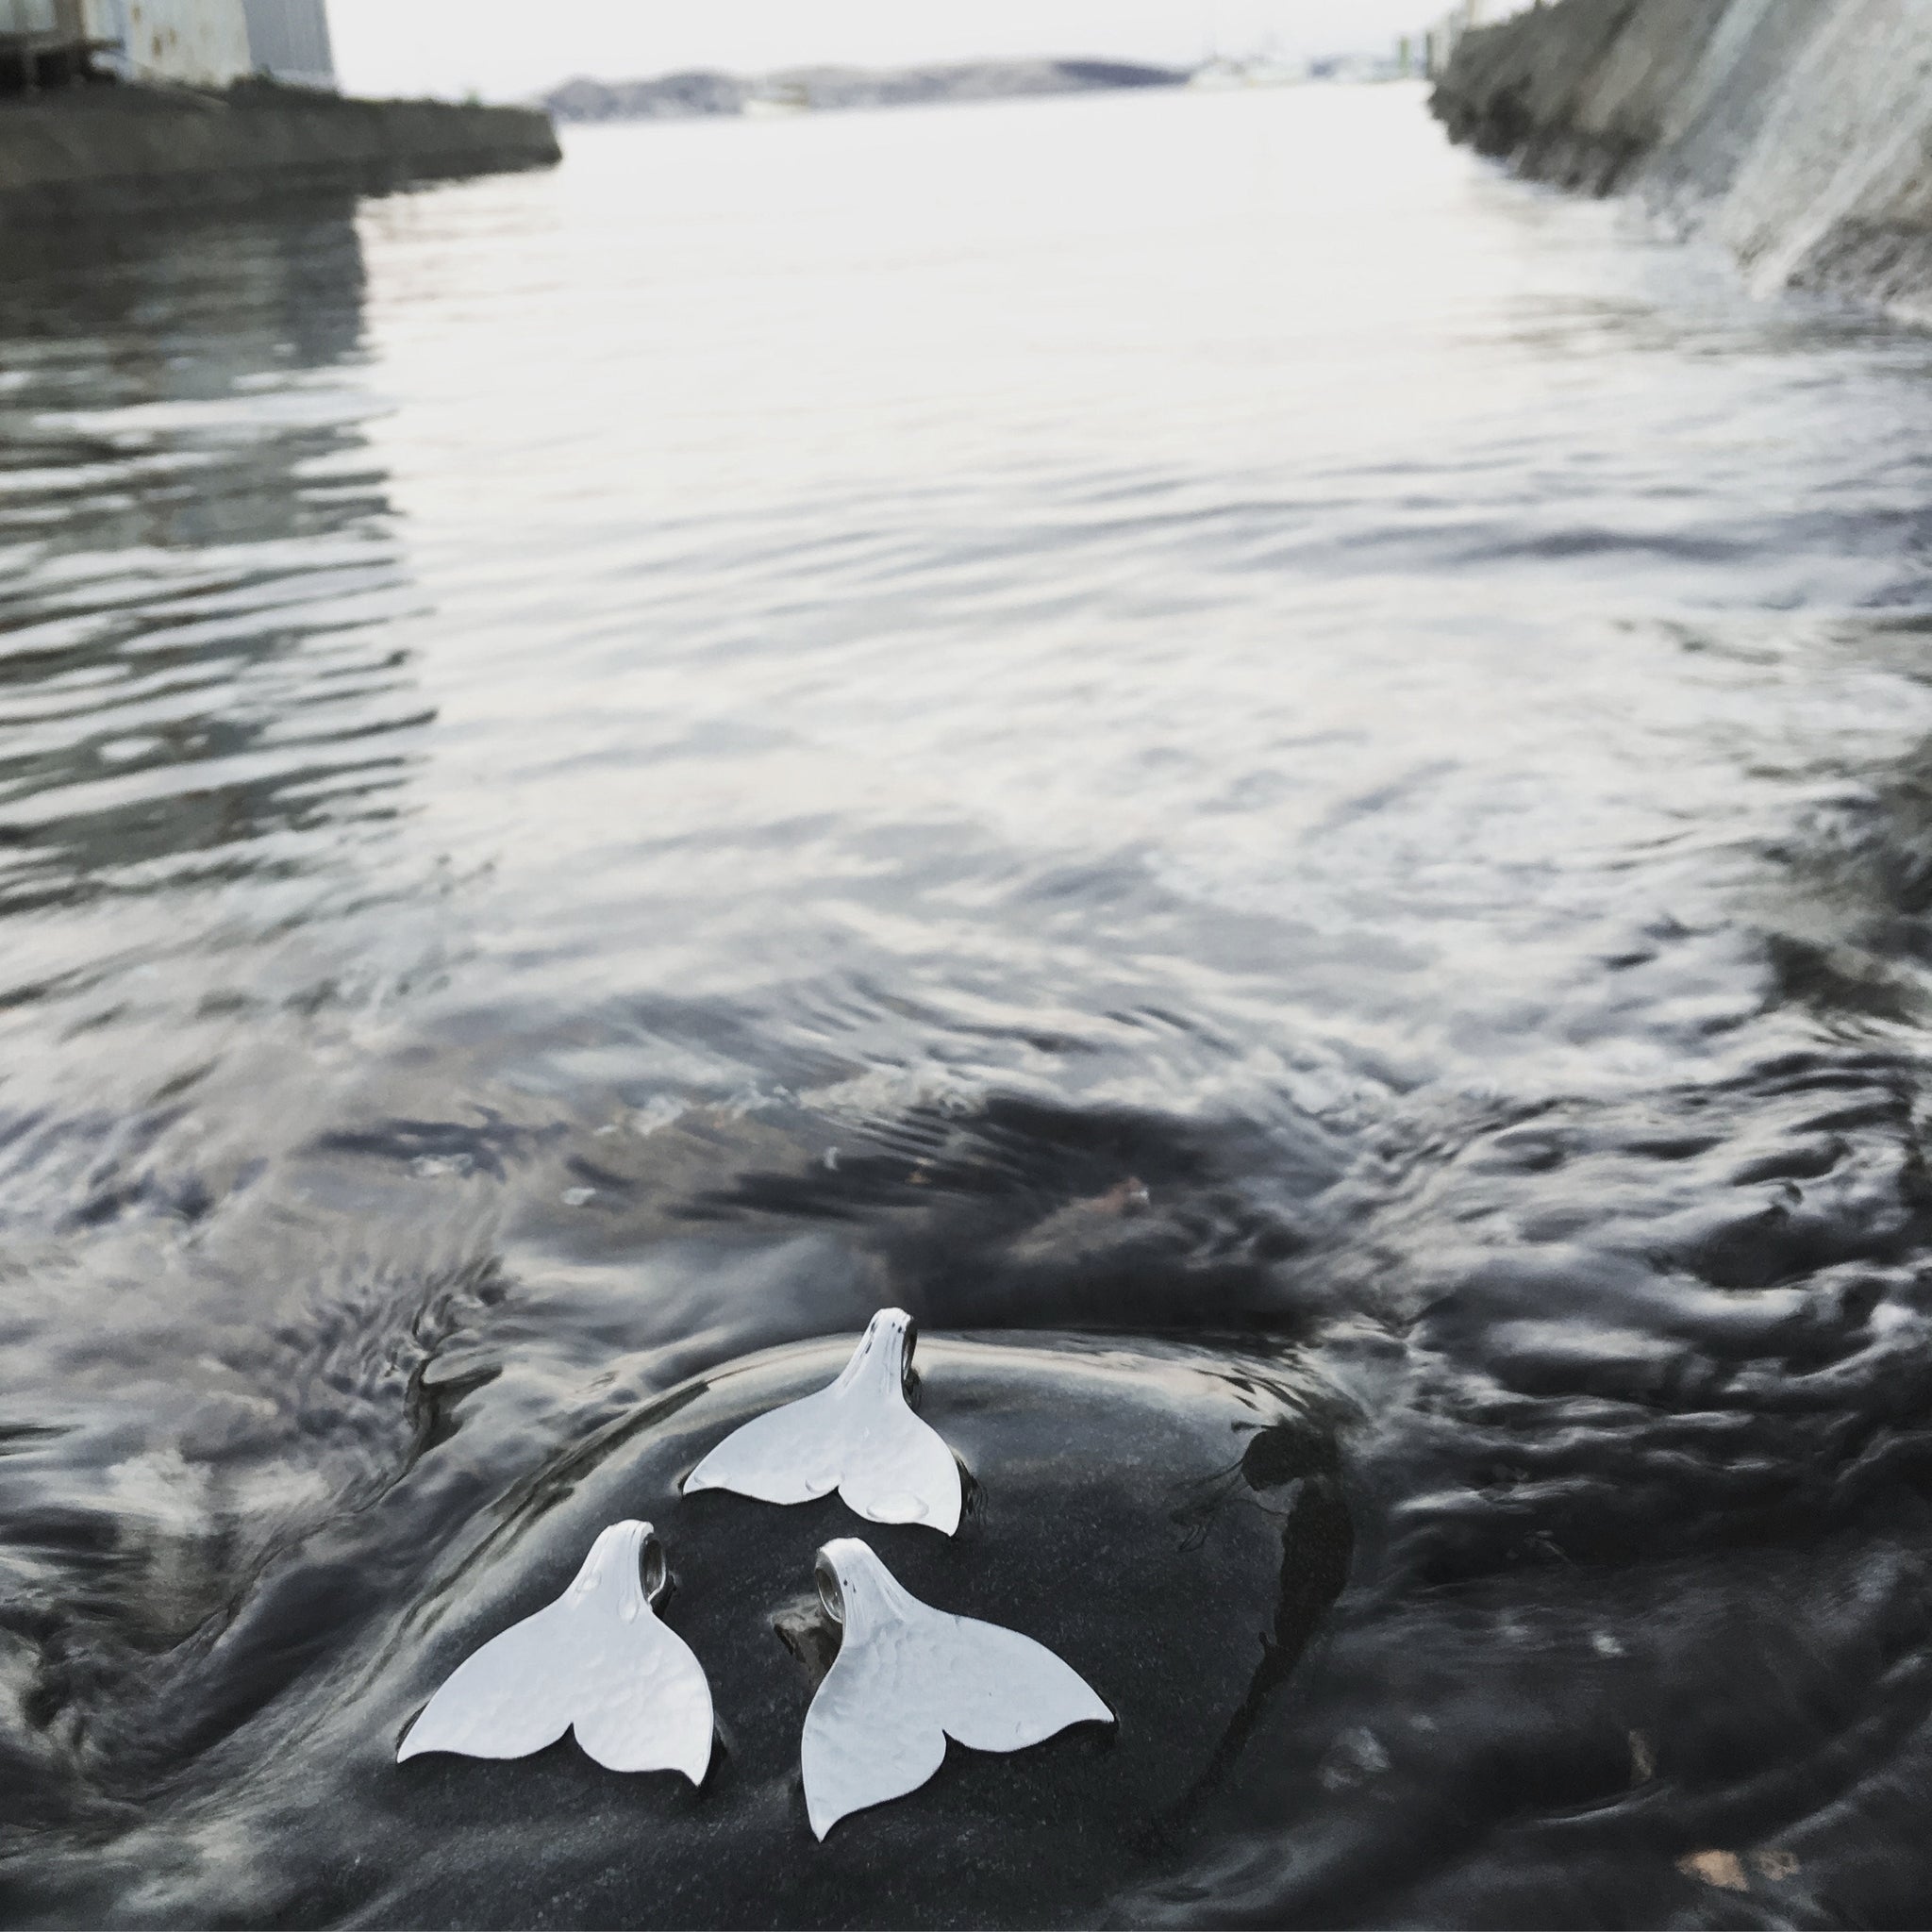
column 859, row 1436
column 597, row 1659
column 908, row 1677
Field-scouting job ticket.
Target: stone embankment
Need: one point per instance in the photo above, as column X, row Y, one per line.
column 109, row 150
column 1797, row 133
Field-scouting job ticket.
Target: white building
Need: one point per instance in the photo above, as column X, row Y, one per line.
column 209, row 43
column 193, row 43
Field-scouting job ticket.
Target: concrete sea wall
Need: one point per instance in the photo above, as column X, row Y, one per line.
column 1799, row 132
column 109, row 150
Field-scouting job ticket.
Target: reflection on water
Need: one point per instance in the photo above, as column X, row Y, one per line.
column 199, row 555
column 1152, row 714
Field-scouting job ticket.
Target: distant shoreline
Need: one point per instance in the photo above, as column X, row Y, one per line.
column 798, row 89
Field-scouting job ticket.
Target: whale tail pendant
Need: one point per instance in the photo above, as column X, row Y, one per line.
column 596, row 1660
column 908, row 1677
column 859, row 1436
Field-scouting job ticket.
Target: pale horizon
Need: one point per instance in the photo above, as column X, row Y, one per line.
column 453, row 47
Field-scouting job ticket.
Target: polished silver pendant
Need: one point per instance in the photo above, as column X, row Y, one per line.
column 908, row 1677
column 859, row 1436
column 596, row 1660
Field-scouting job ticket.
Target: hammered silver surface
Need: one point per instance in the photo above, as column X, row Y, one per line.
column 859, row 1436
column 597, row 1661
column 908, row 1677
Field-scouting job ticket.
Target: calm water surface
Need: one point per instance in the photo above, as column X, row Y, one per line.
column 1146, row 714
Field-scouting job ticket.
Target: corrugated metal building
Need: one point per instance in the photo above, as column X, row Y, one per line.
column 185, row 42
column 288, row 41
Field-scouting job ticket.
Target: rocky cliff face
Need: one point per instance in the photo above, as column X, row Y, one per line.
column 1798, row 131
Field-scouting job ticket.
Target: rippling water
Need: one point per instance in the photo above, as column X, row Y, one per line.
column 1154, row 715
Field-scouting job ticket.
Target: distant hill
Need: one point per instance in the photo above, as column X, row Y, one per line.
column 678, row 96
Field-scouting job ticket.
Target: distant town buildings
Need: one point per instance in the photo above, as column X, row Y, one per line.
column 205, row 43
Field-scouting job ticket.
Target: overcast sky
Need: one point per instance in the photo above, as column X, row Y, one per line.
column 505, row 48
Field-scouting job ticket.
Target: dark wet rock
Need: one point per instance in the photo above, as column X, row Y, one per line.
column 1168, row 1519
column 1636, row 1450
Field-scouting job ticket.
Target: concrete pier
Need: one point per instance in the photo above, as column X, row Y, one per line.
column 99, row 149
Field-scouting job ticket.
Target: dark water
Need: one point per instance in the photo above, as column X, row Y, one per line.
column 1159, row 718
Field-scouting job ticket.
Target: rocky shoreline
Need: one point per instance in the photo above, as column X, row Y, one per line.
column 1795, row 135
column 96, row 150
